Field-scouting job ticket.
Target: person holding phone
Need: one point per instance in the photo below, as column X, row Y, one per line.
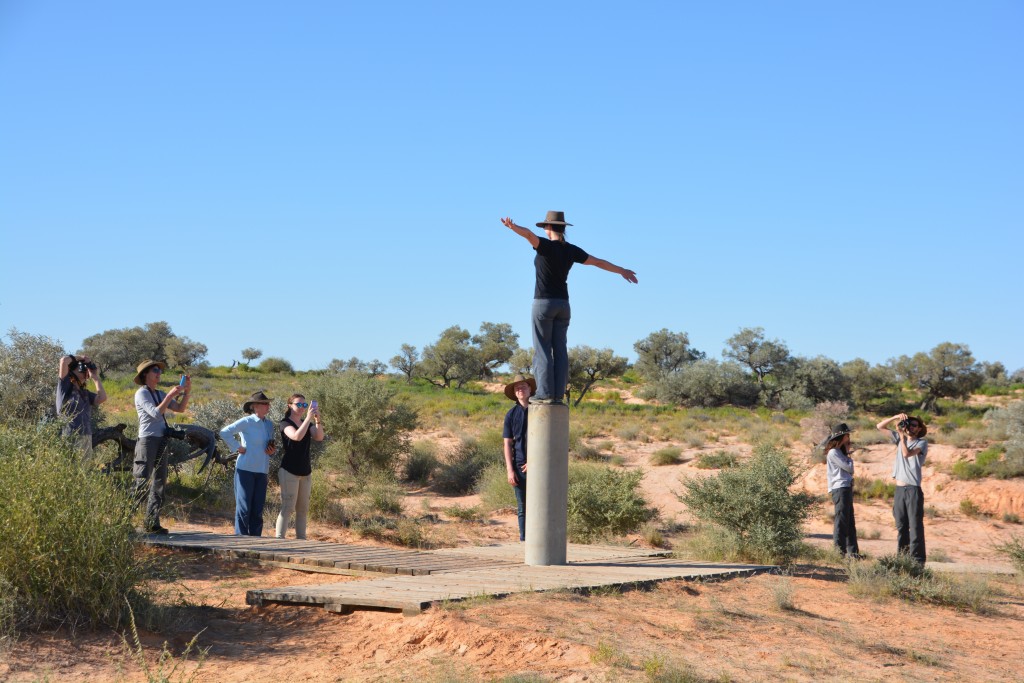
column 299, row 427
column 551, row 310
column 253, row 438
column 150, row 465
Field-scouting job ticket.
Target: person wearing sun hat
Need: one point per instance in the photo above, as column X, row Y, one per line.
column 514, row 436
column 908, row 502
column 252, row 437
column 150, row 466
column 839, row 466
column 551, row 312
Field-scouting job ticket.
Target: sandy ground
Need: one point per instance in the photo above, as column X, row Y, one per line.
column 731, row 630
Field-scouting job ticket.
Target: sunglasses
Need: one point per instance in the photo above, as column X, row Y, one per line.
column 156, row 370
column 301, row 405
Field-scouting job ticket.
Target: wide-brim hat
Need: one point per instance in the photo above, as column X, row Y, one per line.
column 556, row 218
column 258, row 397
column 145, row 365
column 510, row 388
column 924, row 427
column 838, row 431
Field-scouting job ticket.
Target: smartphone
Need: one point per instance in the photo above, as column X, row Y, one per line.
column 182, row 382
column 312, row 405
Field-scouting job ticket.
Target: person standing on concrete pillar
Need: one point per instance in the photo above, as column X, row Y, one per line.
column 551, row 310
column 514, row 434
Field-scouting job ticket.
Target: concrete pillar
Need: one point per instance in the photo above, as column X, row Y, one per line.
column 547, row 484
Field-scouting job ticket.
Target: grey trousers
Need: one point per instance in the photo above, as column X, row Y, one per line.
column 844, row 528
column 150, row 472
column 908, row 511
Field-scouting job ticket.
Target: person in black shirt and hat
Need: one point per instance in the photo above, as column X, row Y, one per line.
column 551, row 310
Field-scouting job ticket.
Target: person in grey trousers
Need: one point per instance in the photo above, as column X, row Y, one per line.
column 908, row 504
column 839, row 465
column 150, row 466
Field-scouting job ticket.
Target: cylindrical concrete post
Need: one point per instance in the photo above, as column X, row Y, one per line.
column 547, row 484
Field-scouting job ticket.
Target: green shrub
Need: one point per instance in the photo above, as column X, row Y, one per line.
column 719, row 460
column 1014, row 551
column 965, row 469
column 463, row 466
column 666, row 456
column 604, row 502
column 495, row 491
column 1011, row 518
column 470, row 514
column 969, row 508
column 420, row 464
column 865, row 489
column 66, row 549
column 379, row 493
column 324, row 505
column 275, row 364
column 902, row 577
column 753, row 502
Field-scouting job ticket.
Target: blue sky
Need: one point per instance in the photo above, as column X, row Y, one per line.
column 325, row 179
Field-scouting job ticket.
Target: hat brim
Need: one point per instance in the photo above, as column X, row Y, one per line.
column 247, row 406
column 138, row 375
column 544, row 224
column 510, row 389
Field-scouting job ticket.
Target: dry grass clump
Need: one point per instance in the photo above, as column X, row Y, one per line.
column 670, row 455
column 900, row 576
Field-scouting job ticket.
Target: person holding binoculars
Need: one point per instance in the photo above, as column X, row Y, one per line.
column 75, row 402
column 908, row 504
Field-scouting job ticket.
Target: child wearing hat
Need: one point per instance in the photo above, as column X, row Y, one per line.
column 840, row 486
column 514, row 435
column 551, row 310
column 253, row 438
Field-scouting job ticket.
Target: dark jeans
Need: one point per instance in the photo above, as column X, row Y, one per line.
column 844, row 528
column 250, row 495
column 150, row 472
column 550, row 354
column 908, row 511
column 520, row 489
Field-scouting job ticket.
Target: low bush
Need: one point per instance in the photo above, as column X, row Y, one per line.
column 1014, row 551
column 666, row 456
column 604, row 502
column 865, row 489
column 379, row 493
column 753, row 502
column 719, row 460
column 66, row 549
column 495, row 491
column 421, row 463
column 969, row 508
column 902, row 577
column 463, row 466
column 324, row 503
column 275, row 364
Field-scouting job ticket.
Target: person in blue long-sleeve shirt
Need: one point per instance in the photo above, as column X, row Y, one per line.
column 253, row 438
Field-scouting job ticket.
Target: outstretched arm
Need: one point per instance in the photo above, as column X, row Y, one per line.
column 629, row 275
column 527, row 234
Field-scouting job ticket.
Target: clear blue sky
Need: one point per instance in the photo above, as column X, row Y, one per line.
column 325, row 179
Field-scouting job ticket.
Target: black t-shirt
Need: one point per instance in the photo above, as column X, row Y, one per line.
column 553, row 261
column 296, row 453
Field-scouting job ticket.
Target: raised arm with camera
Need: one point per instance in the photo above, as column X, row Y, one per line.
column 904, row 424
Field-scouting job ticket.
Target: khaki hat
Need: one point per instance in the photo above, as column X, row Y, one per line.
column 555, row 218
column 258, row 397
column 510, row 388
column 144, row 366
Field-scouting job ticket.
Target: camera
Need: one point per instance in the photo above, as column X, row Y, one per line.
column 904, row 425
column 82, row 366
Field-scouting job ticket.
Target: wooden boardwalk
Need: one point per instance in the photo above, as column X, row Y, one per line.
column 421, row 578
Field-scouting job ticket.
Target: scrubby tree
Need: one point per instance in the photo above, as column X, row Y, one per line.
column 451, row 359
column 662, row 353
column 250, row 354
column 764, row 357
column 707, row 383
column 275, row 364
column 867, row 381
column 821, row 379
column 123, row 349
column 495, row 344
column 947, row 371
column 406, row 360
column 587, row 366
column 28, row 375
column 369, row 429
column 521, row 361
column 994, row 374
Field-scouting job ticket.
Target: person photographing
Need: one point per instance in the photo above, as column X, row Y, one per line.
column 908, row 503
